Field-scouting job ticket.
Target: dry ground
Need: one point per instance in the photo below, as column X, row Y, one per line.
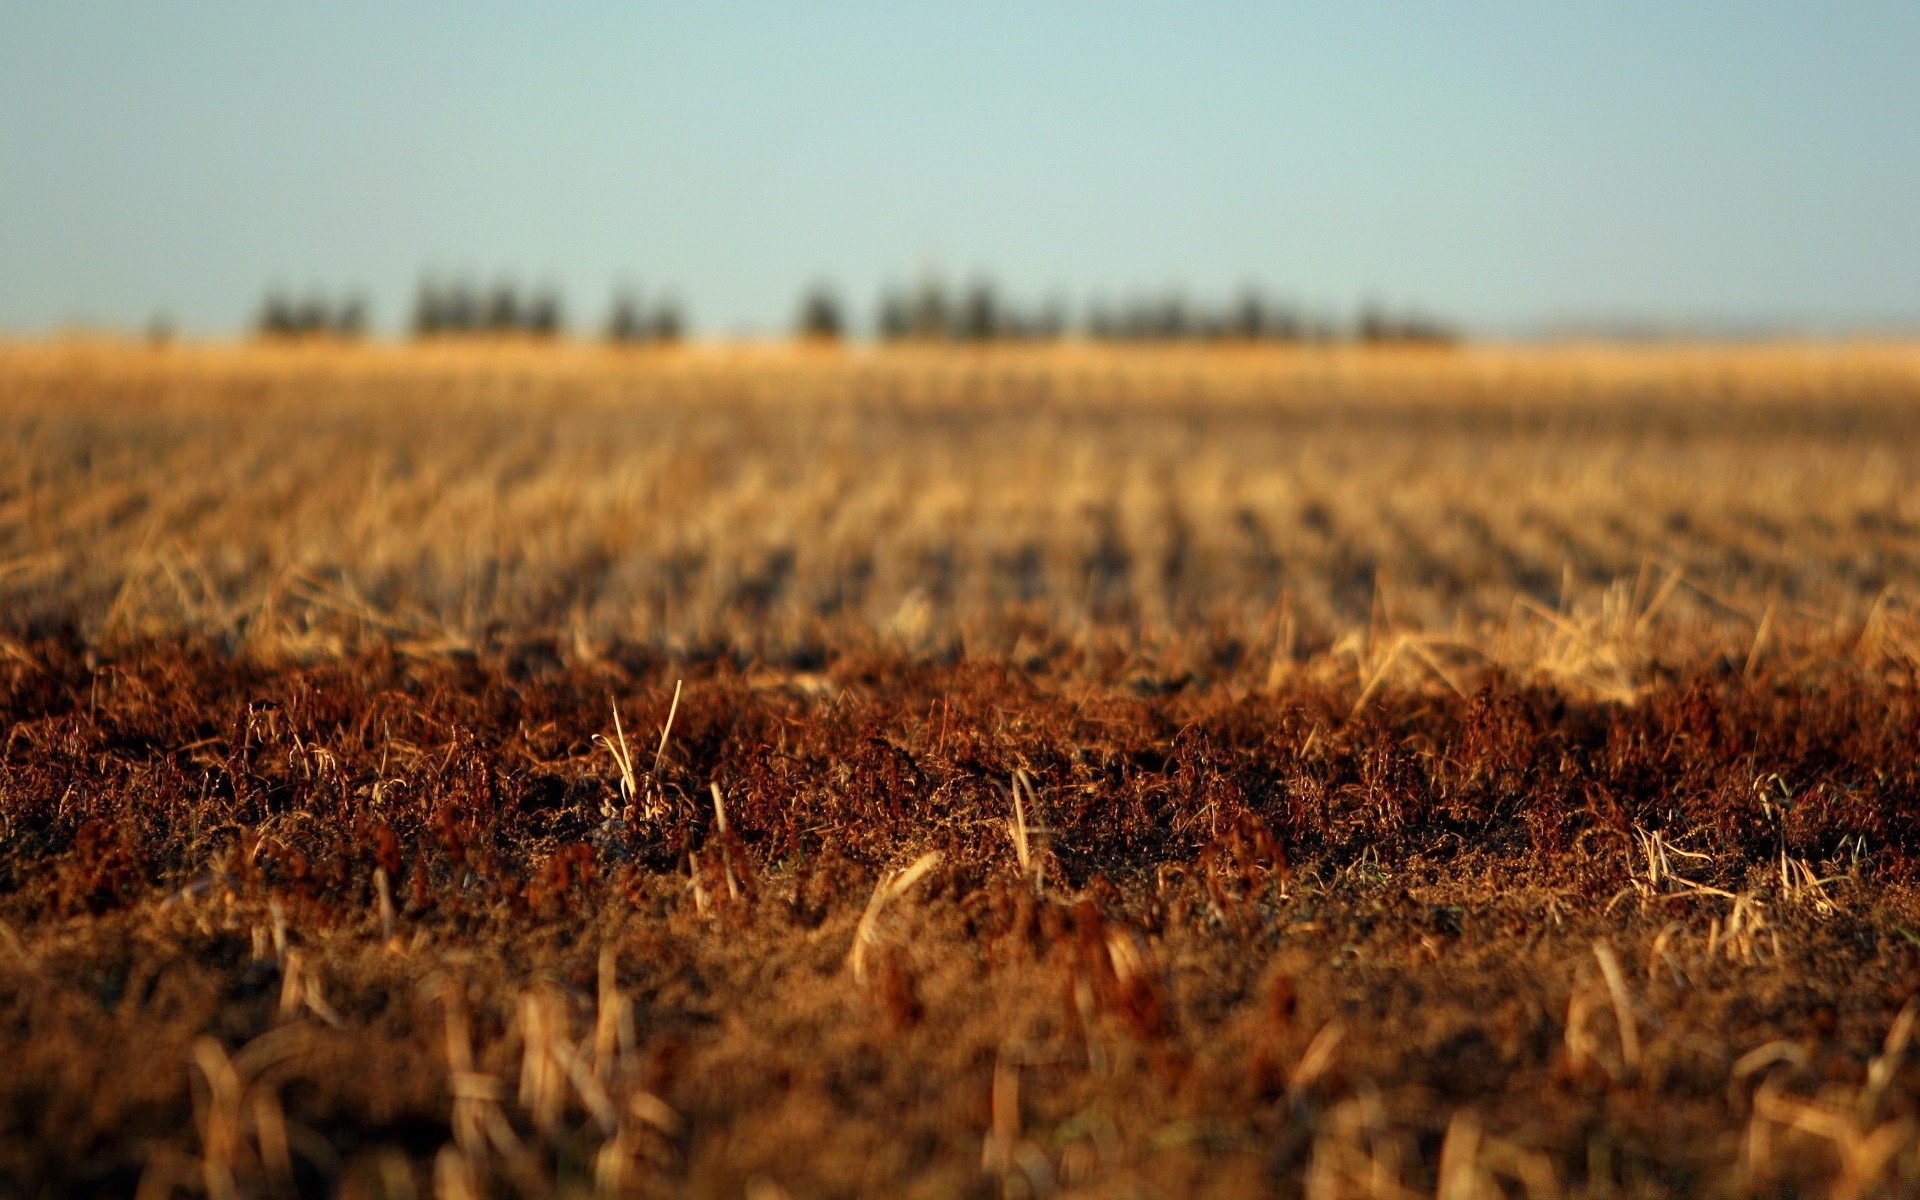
column 1166, row 773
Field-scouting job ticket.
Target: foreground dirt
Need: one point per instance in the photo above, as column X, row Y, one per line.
column 389, row 927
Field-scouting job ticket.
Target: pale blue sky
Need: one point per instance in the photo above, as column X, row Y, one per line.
column 1513, row 165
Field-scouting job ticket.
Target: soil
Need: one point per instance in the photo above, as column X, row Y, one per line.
column 389, row 925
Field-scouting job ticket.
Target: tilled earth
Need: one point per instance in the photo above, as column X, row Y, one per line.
column 394, row 926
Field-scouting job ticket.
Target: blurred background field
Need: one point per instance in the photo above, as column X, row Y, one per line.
column 1578, row 508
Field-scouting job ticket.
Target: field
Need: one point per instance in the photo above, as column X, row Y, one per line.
column 475, row 769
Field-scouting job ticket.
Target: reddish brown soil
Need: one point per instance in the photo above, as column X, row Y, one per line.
column 1273, row 948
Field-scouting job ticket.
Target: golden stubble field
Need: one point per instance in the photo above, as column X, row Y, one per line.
column 1258, row 504
column 1069, row 770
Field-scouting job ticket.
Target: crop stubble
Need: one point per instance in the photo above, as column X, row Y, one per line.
column 1473, row 773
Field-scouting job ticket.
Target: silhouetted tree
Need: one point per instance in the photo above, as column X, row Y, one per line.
column 500, row 312
column 276, row 317
column 1050, row 323
column 310, row 316
column 429, row 309
column 625, row 322
column 460, row 309
column 350, row 318
column 542, row 315
column 315, row 315
column 980, row 318
column 1375, row 326
column 893, row 320
column 819, row 319
column 668, row 322
column 1102, row 324
column 1249, row 321
column 930, row 314
column 1372, row 325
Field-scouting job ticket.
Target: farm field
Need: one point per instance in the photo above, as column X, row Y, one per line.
column 471, row 770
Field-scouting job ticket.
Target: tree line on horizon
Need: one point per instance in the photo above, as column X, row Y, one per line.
column 929, row 311
column 316, row 314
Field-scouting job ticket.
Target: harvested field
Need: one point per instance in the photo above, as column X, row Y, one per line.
column 495, row 771
column 777, row 503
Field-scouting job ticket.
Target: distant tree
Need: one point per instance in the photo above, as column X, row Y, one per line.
column 930, row 313
column 1173, row 319
column 625, row 321
column 314, row 315
column 980, row 317
column 894, row 319
column 460, row 309
column 1373, row 325
column 1427, row 331
column 1049, row 324
column 277, row 318
column 350, row 318
column 541, row 317
column 310, row 316
column 500, row 312
column 668, row 322
column 1249, row 321
column 820, row 319
column 429, row 309
column 1150, row 319
column 1102, row 324
column 1283, row 325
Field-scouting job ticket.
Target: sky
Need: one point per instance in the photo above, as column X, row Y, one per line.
column 1515, row 167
